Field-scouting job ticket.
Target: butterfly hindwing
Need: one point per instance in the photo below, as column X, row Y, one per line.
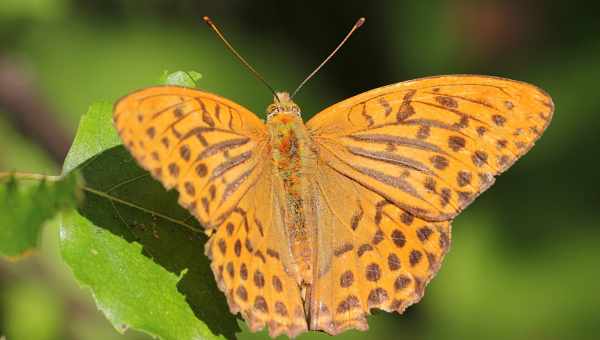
column 371, row 254
column 250, row 258
column 431, row 145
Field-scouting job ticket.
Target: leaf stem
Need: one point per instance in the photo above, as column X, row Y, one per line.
column 29, row 176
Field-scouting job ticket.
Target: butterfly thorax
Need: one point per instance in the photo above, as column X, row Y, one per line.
column 293, row 159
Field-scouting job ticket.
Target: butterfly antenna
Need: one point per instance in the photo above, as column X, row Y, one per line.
column 356, row 26
column 215, row 29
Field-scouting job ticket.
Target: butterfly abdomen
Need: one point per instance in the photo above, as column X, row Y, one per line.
column 292, row 161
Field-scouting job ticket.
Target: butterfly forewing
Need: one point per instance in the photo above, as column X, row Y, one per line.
column 207, row 147
column 430, row 146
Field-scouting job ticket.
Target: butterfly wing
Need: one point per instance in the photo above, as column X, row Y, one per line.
column 371, row 254
column 251, row 259
column 214, row 152
column 205, row 146
column 430, row 146
column 395, row 165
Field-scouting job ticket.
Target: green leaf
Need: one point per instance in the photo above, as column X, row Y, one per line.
column 181, row 78
column 95, row 134
column 129, row 288
column 125, row 200
column 26, row 202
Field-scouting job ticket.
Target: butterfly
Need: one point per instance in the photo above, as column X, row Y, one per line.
column 311, row 226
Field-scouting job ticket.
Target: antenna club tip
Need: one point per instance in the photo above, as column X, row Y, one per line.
column 207, row 19
column 360, row 22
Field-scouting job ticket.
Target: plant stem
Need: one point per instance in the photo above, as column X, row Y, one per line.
column 28, row 176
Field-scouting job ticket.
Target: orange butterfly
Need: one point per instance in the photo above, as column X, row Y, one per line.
column 311, row 226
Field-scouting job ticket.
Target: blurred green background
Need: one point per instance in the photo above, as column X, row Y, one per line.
column 524, row 260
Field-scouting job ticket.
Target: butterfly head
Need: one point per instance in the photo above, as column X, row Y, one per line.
column 283, row 104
